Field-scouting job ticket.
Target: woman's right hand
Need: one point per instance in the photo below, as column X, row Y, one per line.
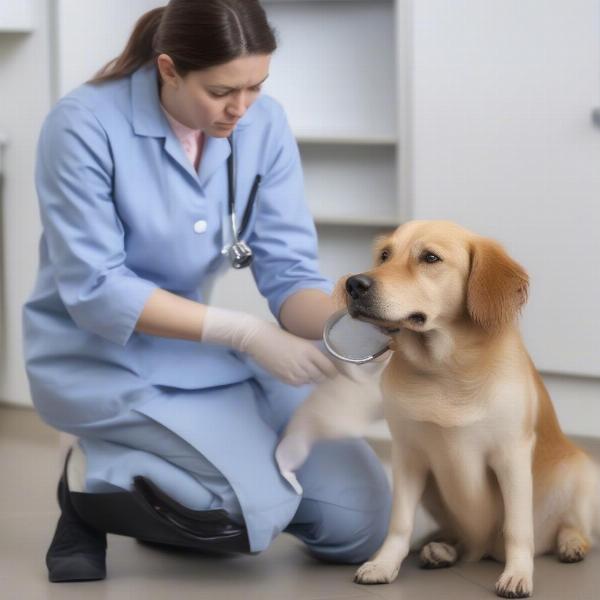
column 291, row 359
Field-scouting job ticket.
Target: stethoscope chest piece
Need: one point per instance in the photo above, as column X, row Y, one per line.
column 240, row 254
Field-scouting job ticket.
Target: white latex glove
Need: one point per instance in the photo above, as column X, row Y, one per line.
column 290, row 358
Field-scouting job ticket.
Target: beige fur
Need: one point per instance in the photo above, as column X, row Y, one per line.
column 475, row 436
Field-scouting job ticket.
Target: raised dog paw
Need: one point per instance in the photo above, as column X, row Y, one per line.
column 437, row 555
column 514, row 585
column 376, row 572
column 291, row 478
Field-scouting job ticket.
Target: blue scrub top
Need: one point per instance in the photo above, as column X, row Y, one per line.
column 118, row 201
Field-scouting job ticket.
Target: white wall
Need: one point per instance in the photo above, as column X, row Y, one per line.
column 24, row 101
column 92, row 32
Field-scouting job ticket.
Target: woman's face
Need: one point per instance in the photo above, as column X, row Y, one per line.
column 213, row 99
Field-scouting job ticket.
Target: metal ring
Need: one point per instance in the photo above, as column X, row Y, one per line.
column 326, row 330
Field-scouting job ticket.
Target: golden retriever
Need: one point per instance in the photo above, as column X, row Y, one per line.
column 474, row 433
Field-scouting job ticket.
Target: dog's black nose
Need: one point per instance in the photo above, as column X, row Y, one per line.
column 358, row 285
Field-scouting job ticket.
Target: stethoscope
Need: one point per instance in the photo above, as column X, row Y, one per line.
column 239, row 253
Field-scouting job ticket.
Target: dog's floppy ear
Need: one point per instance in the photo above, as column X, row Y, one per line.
column 497, row 287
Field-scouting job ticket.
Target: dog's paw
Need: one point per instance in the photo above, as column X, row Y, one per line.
column 438, row 555
column 572, row 550
column 514, row 584
column 376, row 571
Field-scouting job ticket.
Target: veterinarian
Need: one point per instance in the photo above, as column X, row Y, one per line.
column 177, row 406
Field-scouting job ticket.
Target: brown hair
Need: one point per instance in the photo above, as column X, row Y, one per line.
column 196, row 34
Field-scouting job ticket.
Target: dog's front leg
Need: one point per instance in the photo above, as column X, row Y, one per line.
column 513, row 469
column 410, row 475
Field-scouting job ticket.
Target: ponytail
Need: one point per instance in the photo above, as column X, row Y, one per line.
column 138, row 51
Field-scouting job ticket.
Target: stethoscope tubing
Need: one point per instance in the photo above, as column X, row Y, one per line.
column 237, row 234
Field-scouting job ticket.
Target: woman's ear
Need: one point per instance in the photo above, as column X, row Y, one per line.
column 497, row 287
column 166, row 68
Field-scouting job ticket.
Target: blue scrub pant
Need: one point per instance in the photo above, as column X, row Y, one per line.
column 332, row 531
column 214, row 448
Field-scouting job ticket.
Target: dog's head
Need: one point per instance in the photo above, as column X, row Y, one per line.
column 429, row 274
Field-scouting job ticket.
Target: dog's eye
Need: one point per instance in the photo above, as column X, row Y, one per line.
column 385, row 254
column 430, row 257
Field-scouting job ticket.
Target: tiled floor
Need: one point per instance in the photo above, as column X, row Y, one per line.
column 29, row 466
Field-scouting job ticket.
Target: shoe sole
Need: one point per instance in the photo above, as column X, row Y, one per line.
column 78, row 567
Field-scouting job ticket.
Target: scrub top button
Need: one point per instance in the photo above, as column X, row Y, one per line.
column 200, row 226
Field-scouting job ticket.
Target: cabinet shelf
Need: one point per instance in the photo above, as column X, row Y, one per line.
column 16, row 16
column 351, row 184
column 339, row 92
column 337, row 138
column 16, row 29
column 336, row 221
column 334, row 70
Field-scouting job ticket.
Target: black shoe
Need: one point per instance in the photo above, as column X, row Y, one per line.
column 77, row 551
column 147, row 513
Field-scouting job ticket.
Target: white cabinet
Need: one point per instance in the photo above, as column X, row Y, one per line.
column 335, row 73
column 16, row 16
column 501, row 96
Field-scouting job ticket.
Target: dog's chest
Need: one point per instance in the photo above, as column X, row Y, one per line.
column 451, row 403
column 428, row 401
column 461, row 471
column 466, row 484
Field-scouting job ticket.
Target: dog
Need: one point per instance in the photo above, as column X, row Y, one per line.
column 475, row 437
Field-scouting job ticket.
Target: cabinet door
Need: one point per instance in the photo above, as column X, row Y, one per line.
column 501, row 97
